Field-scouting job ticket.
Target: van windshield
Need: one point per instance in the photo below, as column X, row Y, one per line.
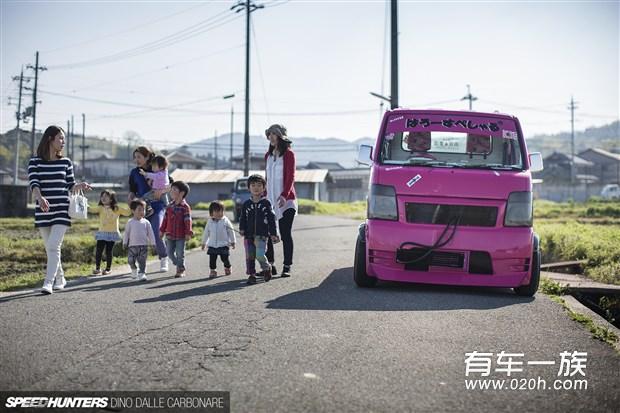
column 451, row 141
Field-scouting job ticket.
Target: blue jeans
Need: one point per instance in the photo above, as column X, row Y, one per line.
column 176, row 252
column 156, row 220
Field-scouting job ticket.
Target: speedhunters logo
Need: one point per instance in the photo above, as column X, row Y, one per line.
column 87, row 401
column 58, row 402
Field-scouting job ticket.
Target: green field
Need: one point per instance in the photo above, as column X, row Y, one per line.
column 582, row 231
column 569, row 231
column 23, row 257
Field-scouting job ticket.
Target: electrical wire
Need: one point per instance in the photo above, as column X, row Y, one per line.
column 182, row 35
column 106, row 36
column 161, row 69
column 139, row 106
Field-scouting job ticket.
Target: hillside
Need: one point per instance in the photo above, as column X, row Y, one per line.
column 605, row 137
column 307, row 149
column 96, row 146
column 337, row 150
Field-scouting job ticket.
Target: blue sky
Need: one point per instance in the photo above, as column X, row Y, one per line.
column 313, row 64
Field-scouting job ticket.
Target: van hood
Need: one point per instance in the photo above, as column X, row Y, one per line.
column 452, row 182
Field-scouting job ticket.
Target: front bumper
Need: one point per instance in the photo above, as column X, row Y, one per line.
column 509, row 249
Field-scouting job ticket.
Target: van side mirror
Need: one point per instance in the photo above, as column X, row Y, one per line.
column 536, row 162
column 365, row 155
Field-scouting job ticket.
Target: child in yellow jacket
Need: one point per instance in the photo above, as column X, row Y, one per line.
column 109, row 213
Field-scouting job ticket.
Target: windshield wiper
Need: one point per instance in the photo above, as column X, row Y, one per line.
column 425, row 162
column 493, row 166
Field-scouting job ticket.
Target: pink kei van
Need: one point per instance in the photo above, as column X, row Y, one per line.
column 450, row 202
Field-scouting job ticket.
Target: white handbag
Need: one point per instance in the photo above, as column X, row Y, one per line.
column 78, row 205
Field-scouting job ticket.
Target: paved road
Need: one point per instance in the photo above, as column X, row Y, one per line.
column 310, row 343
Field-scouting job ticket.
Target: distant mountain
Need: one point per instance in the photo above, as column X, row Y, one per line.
column 306, row 149
column 605, row 137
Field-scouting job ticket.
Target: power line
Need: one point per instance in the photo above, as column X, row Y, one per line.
column 171, row 107
column 106, row 36
column 185, row 34
column 167, row 67
column 203, row 112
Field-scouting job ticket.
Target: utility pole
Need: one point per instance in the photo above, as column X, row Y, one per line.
column 34, row 96
column 69, row 140
column 572, row 108
column 394, row 56
column 249, row 8
column 83, row 147
column 18, row 114
column 215, row 139
column 469, row 97
column 232, row 114
column 72, row 138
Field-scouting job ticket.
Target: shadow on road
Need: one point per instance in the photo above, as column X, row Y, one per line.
column 339, row 292
column 198, row 291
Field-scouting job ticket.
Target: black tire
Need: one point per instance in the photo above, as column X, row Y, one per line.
column 530, row 289
column 360, row 276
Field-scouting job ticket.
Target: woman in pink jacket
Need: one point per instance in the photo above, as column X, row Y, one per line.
column 280, row 174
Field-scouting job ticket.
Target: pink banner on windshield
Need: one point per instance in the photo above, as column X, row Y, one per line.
column 454, row 122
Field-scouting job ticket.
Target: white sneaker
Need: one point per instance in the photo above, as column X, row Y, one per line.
column 60, row 283
column 134, row 274
column 142, row 277
column 164, row 265
column 47, row 288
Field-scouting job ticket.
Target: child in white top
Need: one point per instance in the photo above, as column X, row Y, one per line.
column 138, row 235
column 219, row 236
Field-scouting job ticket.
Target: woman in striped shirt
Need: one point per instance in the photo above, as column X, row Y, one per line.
column 51, row 178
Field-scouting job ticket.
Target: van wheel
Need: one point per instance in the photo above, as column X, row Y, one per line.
column 360, row 276
column 530, row 289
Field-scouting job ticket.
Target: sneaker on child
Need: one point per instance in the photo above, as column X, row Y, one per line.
column 142, row 277
column 267, row 275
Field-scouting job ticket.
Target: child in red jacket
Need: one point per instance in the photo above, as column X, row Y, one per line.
column 177, row 226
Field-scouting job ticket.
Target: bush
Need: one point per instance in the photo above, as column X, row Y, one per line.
column 599, row 245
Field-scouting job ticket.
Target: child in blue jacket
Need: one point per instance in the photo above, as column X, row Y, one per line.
column 257, row 224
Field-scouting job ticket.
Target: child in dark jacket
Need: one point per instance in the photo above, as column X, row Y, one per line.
column 257, row 224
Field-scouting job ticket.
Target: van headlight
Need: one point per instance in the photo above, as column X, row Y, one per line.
column 519, row 210
column 382, row 202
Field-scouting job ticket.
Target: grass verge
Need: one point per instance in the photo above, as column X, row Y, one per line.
column 555, row 292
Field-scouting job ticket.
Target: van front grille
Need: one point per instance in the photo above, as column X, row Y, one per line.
column 467, row 215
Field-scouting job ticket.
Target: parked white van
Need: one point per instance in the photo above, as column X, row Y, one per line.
column 611, row 191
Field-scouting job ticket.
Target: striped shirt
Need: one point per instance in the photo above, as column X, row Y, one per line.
column 55, row 180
